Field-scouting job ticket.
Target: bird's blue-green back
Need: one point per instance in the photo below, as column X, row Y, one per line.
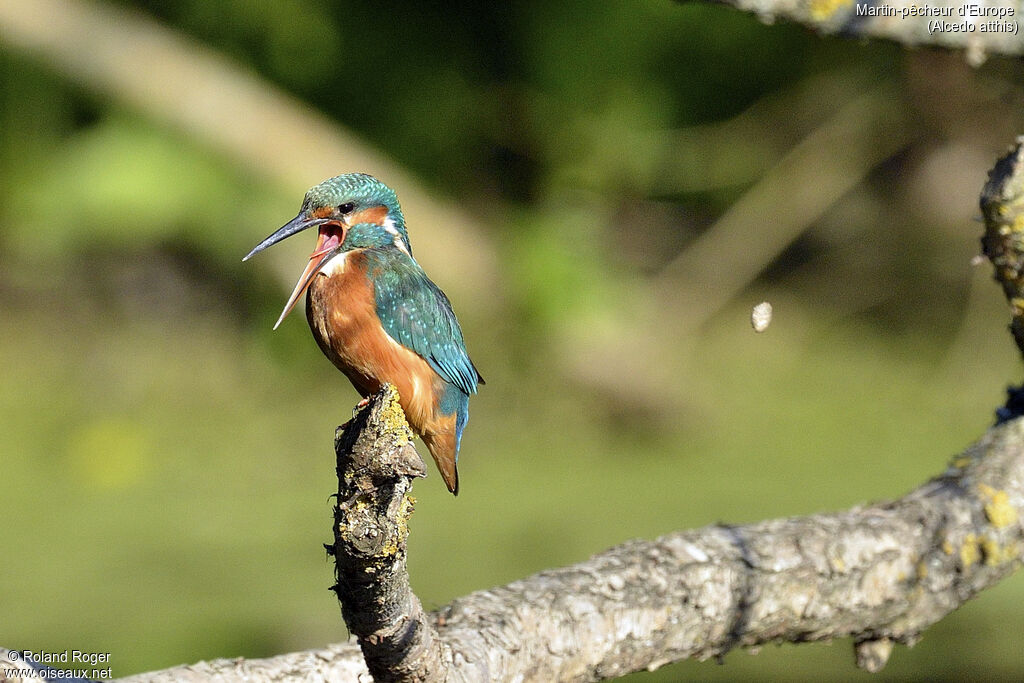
column 417, row 314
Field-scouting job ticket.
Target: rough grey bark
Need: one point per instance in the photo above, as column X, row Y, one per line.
column 376, row 465
column 339, row 663
column 883, row 571
column 1002, row 204
column 905, row 21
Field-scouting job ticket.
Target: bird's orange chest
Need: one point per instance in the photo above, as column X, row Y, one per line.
column 342, row 313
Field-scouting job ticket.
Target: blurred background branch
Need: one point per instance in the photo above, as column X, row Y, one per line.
column 780, row 206
column 786, row 200
column 178, row 81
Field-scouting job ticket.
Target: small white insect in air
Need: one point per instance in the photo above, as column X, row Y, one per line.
column 761, row 316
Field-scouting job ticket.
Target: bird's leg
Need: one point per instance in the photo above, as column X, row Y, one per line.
column 362, row 404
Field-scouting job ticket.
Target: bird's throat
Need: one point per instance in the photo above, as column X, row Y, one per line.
column 328, row 240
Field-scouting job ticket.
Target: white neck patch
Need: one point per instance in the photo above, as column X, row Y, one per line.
column 335, row 265
column 396, row 236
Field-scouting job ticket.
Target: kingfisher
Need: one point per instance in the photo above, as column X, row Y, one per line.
column 377, row 316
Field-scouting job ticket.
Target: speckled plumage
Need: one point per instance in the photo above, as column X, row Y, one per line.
column 417, row 314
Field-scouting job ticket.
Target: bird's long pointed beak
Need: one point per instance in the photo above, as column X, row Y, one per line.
column 295, row 225
column 326, row 245
column 318, row 259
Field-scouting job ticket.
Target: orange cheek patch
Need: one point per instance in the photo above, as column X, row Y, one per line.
column 323, row 212
column 375, row 215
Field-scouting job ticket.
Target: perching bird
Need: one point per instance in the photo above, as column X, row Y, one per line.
column 377, row 316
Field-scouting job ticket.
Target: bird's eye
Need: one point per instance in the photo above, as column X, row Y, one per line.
column 346, row 208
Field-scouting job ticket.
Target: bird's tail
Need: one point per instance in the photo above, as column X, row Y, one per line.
column 445, row 448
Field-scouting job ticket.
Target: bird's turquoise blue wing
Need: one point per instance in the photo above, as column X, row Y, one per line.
column 417, row 314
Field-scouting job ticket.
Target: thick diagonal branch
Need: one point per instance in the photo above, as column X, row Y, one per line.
column 881, row 574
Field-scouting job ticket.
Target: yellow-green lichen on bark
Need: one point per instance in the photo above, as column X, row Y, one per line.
column 393, row 417
column 962, row 462
column 824, row 9
column 998, row 509
column 996, row 554
column 970, row 552
column 402, row 526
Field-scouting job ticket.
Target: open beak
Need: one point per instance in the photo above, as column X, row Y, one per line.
column 326, row 245
column 297, row 224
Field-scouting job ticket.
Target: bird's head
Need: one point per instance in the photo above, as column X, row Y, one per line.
column 351, row 211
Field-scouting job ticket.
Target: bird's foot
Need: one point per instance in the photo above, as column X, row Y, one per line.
column 360, row 405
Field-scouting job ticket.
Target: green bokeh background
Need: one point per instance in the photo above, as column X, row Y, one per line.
column 167, row 461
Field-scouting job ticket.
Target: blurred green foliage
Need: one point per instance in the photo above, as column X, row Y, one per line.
column 167, row 460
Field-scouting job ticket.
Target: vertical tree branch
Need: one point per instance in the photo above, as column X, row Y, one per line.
column 1002, row 203
column 376, row 465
